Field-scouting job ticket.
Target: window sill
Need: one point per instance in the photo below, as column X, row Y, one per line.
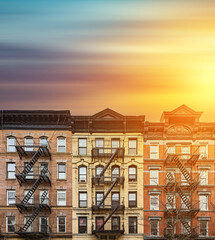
column 10, row 179
column 61, row 179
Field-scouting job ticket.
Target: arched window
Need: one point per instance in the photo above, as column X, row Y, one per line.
column 61, row 144
column 82, row 174
column 11, row 143
column 29, row 142
column 115, row 171
column 132, row 173
column 44, row 141
column 99, row 169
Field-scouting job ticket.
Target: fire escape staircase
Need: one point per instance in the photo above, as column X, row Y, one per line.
column 189, row 208
column 115, row 180
column 34, row 215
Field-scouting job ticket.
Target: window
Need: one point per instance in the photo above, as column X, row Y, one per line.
column 203, row 177
column 11, row 171
column 99, row 169
column 183, row 229
column 43, row 225
column 30, row 174
column 132, row 199
column 99, row 223
column 44, row 141
column 132, row 221
column 132, row 146
column 99, row 197
column 82, row 199
column 115, row 223
column 203, row 202
column 154, row 227
column 44, row 166
column 154, row 151
column 61, row 171
column 170, row 201
column 82, row 225
column 61, row 224
column 185, row 151
column 154, row 202
column 61, row 144
column 11, row 197
column 31, row 227
column 29, row 143
column 31, row 200
column 100, row 145
column 115, row 143
column 132, row 174
column 115, row 199
column 10, row 224
column 11, row 143
column 183, row 179
column 82, row 174
column 82, row 146
column 61, row 198
column 203, row 228
column 203, row 151
column 115, row 170
column 170, row 175
column 170, row 227
column 170, row 149
column 153, row 177
column 44, row 200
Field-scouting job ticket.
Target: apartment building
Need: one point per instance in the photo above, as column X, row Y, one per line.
column 36, row 176
column 107, row 176
column 179, row 183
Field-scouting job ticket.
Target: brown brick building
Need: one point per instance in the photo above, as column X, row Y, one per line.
column 106, row 176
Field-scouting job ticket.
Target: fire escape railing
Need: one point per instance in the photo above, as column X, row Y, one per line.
column 100, row 206
column 172, row 188
column 26, row 175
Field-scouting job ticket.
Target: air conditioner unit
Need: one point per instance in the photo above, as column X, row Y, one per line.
column 82, row 180
column 203, row 156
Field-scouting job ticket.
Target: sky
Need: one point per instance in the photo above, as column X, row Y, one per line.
column 137, row 57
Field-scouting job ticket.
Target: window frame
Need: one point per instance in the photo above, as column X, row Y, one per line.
column 130, row 179
column 154, row 181
column 61, row 172
column 58, row 224
column 203, row 206
column 8, row 172
column 115, row 202
column 79, row 227
column 42, row 139
column 40, row 225
column 29, row 147
column 118, row 223
column 156, row 206
column 154, row 154
column 130, row 227
column 114, row 176
column 132, row 203
column 157, row 229
column 113, row 148
column 59, row 192
column 83, row 201
column 80, row 148
column 103, row 219
column 132, row 150
column 100, row 148
column 9, row 146
column 7, row 224
column 81, row 174
column 9, row 199
column 60, row 144
column 206, row 229
column 96, row 168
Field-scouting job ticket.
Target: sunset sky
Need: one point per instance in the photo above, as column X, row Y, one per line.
column 136, row 57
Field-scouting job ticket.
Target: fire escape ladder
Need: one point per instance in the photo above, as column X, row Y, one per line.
column 183, row 170
column 111, row 214
column 107, row 193
column 34, row 215
column 34, row 159
column 35, row 186
column 184, row 198
column 108, row 163
column 186, row 225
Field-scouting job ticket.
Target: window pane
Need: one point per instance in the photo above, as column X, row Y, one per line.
column 132, row 196
column 82, row 142
column 11, row 167
column 99, row 170
column 82, row 151
column 132, row 143
column 132, row 170
column 62, row 168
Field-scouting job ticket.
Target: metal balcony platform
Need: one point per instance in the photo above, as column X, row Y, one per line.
column 101, row 208
column 107, row 152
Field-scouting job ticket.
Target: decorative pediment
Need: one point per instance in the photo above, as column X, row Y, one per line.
column 108, row 114
column 179, row 130
column 181, row 112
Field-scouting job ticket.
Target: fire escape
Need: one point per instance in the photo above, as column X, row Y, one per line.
column 106, row 229
column 31, row 177
column 175, row 189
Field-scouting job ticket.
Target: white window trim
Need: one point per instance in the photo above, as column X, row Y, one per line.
column 7, row 223
column 58, row 192
column 58, row 144
column 60, row 163
column 157, row 205
column 8, row 198
column 58, row 224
